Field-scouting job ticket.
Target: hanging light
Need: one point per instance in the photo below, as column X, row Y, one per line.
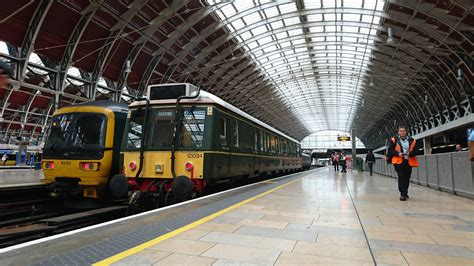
column 371, row 84
column 127, row 67
column 459, row 74
column 426, row 98
column 362, row 104
column 390, row 35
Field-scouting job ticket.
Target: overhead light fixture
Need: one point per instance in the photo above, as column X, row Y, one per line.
column 371, row 84
column 390, row 35
column 127, row 67
column 459, row 77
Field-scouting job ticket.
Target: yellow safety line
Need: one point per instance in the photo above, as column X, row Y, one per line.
column 185, row 228
column 269, row 182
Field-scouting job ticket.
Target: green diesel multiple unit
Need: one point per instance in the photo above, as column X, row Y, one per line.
column 214, row 142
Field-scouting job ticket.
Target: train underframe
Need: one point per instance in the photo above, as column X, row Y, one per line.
column 152, row 193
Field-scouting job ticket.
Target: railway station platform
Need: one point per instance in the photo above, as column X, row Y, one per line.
column 20, row 177
column 313, row 217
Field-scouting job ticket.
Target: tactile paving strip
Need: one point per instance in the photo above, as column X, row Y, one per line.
column 116, row 244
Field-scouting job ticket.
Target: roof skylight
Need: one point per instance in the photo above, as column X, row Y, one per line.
column 315, row 54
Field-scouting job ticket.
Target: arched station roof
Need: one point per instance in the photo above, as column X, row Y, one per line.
column 302, row 66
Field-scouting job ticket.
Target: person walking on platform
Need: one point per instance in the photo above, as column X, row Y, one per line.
column 343, row 163
column 335, row 161
column 4, row 159
column 402, row 151
column 370, row 160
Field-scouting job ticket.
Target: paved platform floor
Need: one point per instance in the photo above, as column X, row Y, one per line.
column 329, row 218
column 20, row 177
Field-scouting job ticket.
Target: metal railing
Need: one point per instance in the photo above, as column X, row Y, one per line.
column 449, row 172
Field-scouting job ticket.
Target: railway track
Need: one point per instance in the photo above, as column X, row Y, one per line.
column 43, row 225
column 27, row 213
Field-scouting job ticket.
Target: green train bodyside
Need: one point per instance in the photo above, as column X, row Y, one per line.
column 246, row 149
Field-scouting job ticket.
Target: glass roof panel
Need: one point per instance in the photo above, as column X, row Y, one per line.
column 316, row 57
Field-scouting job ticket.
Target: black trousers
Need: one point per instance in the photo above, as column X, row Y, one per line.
column 371, row 167
column 336, row 166
column 404, row 172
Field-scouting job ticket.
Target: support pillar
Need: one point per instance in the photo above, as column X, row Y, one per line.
column 354, row 151
column 427, row 145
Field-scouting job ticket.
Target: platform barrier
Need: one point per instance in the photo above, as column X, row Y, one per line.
column 450, row 172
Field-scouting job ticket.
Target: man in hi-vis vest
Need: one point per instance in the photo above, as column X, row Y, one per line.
column 403, row 150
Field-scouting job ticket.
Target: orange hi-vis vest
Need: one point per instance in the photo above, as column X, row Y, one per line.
column 396, row 159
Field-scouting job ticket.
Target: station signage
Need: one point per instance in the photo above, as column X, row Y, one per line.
column 343, row 138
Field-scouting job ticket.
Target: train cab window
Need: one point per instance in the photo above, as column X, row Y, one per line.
column 161, row 134
column 77, row 135
column 236, row 134
column 192, row 128
column 222, row 131
column 134, row 134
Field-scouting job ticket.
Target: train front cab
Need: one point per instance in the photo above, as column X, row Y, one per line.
column 155, row 173
column 83, row 150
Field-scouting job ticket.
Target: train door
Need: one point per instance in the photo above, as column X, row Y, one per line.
column 255, row 152
column 225, row 145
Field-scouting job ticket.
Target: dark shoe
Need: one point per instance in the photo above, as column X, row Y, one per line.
column 402, row 198
column 407, row 197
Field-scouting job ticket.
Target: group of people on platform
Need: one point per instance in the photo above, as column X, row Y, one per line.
column 339, row 159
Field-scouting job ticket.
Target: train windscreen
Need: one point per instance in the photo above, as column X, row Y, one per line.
column 161, row 125
column 76, row 135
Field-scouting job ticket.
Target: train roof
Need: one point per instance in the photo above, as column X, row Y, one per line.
column 114, row 106
column 209, row 98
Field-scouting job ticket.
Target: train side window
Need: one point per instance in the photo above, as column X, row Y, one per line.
column 236, row 134
column 261, row 140
column 222, row 131
column 255, row 148
column 264, row 137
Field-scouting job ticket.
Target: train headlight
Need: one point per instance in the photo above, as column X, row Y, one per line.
column 88, row 166
column 133, row 166
column 189, row 166
column 158, row 168
column 49, row 165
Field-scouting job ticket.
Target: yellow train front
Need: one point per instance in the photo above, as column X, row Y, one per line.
column 175, row 148
column 82, row 151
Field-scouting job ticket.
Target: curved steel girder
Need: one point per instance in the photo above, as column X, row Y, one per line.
column 225, row 70
column 147, row 36
column 114, row 36
column 439, row 61
column 414, row 106
column 442, row 41
column 427, row 78
column 401, row 112
column 28, row 43
column 242, row 77
column 431, row 11
column 284, row 29
column 165, row 47
column 74, row 39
